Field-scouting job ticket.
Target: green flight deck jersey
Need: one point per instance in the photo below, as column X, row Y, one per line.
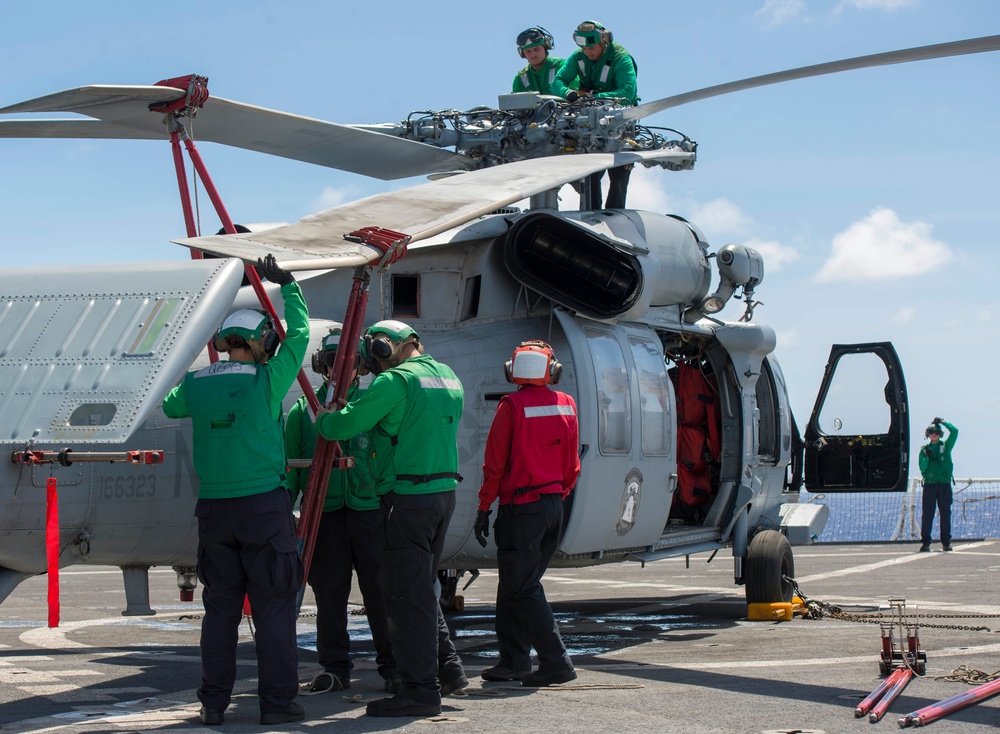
column 412, row 412
column 353, row 487
column 235, row 409
column 612, row 75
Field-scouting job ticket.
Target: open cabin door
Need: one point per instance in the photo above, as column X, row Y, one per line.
column 858, row 435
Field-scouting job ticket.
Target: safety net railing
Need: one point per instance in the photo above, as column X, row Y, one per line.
column 857, row 517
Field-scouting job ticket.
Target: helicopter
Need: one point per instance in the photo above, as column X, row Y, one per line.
column 624, row 296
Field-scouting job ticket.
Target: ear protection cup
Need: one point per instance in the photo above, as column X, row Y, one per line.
column 382, row 348
column 555, row 372
column 271, row 339
column 508, row 371
column 219, row 343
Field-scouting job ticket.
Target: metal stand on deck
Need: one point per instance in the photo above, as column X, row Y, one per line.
column 896, row 652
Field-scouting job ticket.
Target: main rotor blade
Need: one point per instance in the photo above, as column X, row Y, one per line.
column 124, row 112
column 317, row 242
column 919, row 53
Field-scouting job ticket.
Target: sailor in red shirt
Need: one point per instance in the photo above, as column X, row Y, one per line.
column 532, row 462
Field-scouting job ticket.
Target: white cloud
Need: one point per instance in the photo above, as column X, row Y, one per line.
column 776, row 255
column 647, row 190
column 331, row 197
column 903, row 316
column 776, row 12
column 720, row 218
column 882, row 247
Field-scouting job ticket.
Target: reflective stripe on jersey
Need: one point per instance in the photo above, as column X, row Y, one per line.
column 539, row 411
column 439, row 383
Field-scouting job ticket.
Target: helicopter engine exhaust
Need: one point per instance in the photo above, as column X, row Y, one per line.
column 620, row 266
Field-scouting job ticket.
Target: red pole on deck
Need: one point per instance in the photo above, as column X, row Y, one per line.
column 935, row 711
column 902, row 677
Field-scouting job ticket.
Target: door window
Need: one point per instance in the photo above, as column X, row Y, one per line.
column 614, row 406
column 654, row 396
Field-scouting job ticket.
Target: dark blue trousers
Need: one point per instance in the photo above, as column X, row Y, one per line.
column 527, row 536
column 936, row 496
column 347, row 541
column 411, row 535
column 247, row 547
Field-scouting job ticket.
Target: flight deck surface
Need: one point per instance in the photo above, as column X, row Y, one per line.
column 665, row 648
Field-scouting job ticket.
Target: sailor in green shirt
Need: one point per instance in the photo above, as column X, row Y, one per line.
column 411, row 410
column 937, row 469
column 345, row 541
column 534, row 45
column 604, row 69
column 246, row 531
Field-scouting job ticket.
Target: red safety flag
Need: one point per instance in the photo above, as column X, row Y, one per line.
column 52, row 548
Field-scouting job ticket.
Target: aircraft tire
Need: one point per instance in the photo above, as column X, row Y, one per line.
column 769, row 560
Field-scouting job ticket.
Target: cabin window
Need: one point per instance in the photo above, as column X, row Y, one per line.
column 406, row 296
column 654, row 396
column 613, row 401
column 768, row 427
column 470, row 300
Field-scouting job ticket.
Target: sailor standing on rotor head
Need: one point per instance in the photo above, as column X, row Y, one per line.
column 604, row 69
column 534, row 45
column 246, row 532
column 532, row 462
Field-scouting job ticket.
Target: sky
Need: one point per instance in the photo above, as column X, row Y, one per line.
column 873, row 195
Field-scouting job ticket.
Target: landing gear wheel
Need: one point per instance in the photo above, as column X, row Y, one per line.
column 769, row 561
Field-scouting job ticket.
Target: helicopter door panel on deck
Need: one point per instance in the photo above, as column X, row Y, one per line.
column 858, row 434
column 627, row 429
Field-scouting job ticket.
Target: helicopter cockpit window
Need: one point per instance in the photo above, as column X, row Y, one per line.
column 855, row 404
column 614, row 406
column 654, row 399
column 406, row 296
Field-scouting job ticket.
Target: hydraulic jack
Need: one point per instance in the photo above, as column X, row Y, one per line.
column 901, row 658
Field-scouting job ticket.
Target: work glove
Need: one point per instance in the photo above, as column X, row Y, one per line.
column 482, row 526
column 927, row 452
column 572, row 96
column 268, row 267
column 938, row 420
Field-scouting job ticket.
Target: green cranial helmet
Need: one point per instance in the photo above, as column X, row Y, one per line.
column 591, row 33
column 323, row 358
column 246, row 323
column 534, row 36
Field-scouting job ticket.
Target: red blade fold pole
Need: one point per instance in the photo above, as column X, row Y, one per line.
column 935, row 711
column 903, row 677
column 326, row 451
column 866, row 705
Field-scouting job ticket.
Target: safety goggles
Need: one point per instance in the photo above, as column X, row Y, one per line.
column 584, row 39
column 530, row 38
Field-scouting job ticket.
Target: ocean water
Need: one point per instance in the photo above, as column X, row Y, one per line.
column 895, row 516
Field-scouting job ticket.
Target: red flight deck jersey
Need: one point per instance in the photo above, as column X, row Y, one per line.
column 532, row 448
